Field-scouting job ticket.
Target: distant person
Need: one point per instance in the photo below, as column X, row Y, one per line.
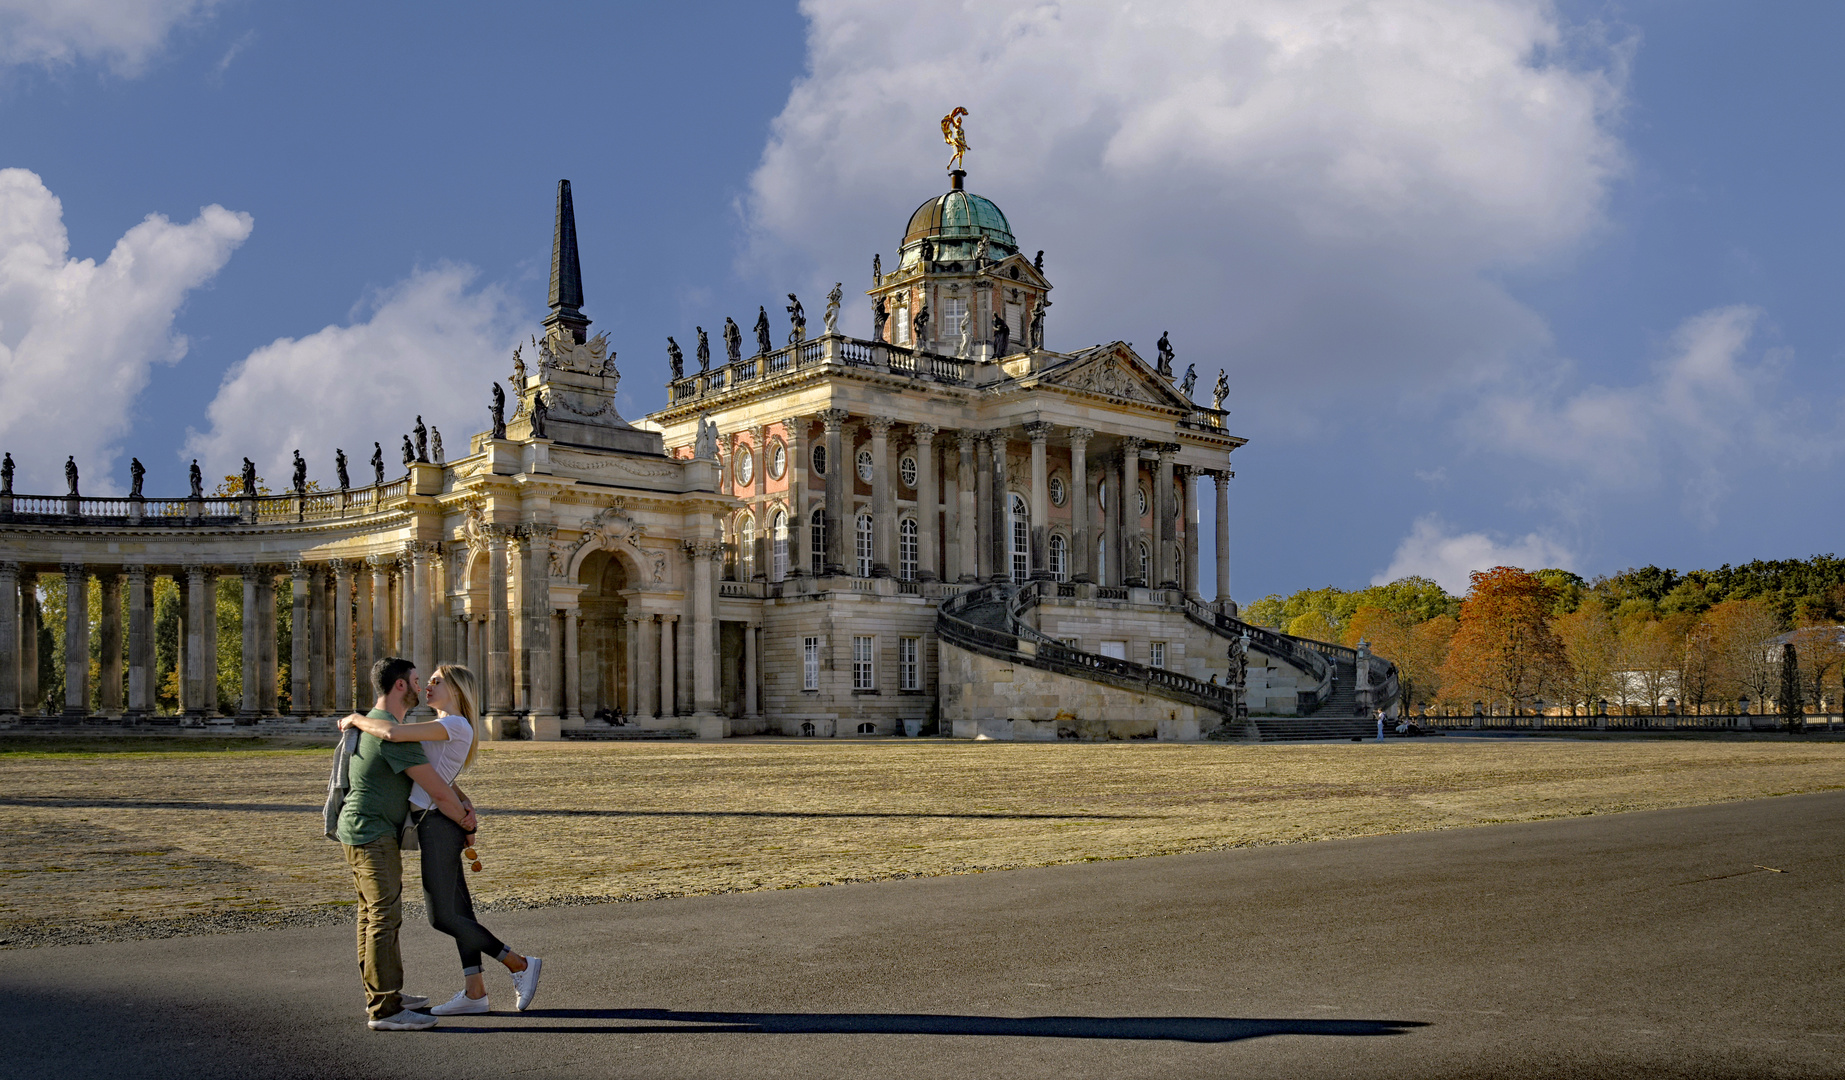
column 371, row 820
column 448, row 740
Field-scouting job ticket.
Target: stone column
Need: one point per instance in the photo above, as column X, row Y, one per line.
column 300, row 667
column 499, row 632
column 573, row 667
column 9, row 639
column 647, row 663
column 883, row 499
column 422, row 612
column 110, row 668
column 317, row 641
column 999, row 529
column 30, row 700
column 1109, row 493
column 838, row 495
column 213, row 688
column 1224, row 603
column 795, row 435
column 669, row 701
column 928, row 515
column 405, row 608
column 342, row 637
column 265, row 641
column 141, row 674
column 631, row 650
column 76, row 640
column 704, row 555
column 380, row 617
column 682, row 662
column 363, row 647
column 1083, row 554
column 751, row 705
column 983, row 512
column 538, row 662
column 1189, row 478
column 198, row 613
column 1130, row 513
column 1040, row 434
column 1164, row 518
column 967, row 512
column 252, row 622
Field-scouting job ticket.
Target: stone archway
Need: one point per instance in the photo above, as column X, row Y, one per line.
column 608, row 578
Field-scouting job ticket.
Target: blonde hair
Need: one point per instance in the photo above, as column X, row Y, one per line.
column 466, row 688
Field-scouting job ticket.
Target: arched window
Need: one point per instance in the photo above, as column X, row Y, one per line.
column 779, row 559
column 906, row 549
column 746, row 548
column 1145, row 567
column 1060, row 558
column 1020, row 528
column 862, row 544
column 816, row 532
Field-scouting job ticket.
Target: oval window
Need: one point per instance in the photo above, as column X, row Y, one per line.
column 746, row 467
column 864, row 465
column 1057, row 491
column 907, row 469
column 778, row 460
column 820, row 458
column 1143, row 502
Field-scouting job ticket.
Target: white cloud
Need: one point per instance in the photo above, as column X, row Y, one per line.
column 427, row 345
column 1706, row 412
column 1313, row 193
column 123, row 34
column 78, row 338
column 1431, row 551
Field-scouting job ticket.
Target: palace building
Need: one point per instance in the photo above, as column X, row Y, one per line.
column 942, row 528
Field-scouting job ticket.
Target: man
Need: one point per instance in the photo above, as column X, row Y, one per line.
column 377, row 802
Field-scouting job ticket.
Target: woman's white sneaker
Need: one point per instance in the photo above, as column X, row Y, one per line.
column 461, row 1005
column 526, row 983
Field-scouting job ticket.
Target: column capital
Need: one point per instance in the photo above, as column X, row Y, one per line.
column 668, row 617
column 794, row 424
column 996, row 437
column 924, row 432
column 339, row 567
column 133, row 570
column 966, row 439
column 703, row 549
column 538, row 530
column 1080, row 436
column 71, row 568
column 8, row 566
column 246, row 570
column 1038, row 431
column 879, row 426
column 1132, row 444
column 377, row 562
column 833, row 418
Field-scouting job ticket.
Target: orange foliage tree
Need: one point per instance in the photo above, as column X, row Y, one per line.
column 1504, row 649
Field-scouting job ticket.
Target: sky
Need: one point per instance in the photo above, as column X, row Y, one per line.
column 1493, row 281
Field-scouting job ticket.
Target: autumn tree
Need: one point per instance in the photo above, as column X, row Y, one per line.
column 1504, row 648
column 1821, row 653
column 1743, row 658
column 1592, row 648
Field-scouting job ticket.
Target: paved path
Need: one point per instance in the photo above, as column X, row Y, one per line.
column 1684, row 943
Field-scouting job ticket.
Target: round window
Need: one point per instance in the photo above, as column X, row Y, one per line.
column 1143, row 502
column 778, row 460
column 907, row 469
column 864, row 465
column 746, row 466
column 820, row 458
column 1057, row 492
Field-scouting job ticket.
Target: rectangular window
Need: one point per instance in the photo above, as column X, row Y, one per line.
column 1158, row 657
column 909, row 675
column 861, row 663
column 810, row 663
column 952, row 309
column 901, row 316
column 862, row 545
column 1015, row 321
column 1114, row 649
column 906, row 549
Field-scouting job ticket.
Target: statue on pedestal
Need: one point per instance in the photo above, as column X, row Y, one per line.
column 435, row 447
column 300, row 472
column 831, row 319
column 409, row 453
column 137, row 472
column 879, row 316
column 797, row 320
column 377, row 464
column 6, row 475
column 518, row 368
column 967, row 333
column 70, row 473
column 704, row 350
column 920, row 324
column 1002, row 336
column 763, row 345
column 877, row 269
column 1038, row 263
column 706, row 447
column 1221, row 390
column 339, row 466
column 928, row 253
column 1037, row 320
column 198, row 481
column 1191, row 380
column 249, row 478
column 982, row 255
column 733, row 340
column 497, row 410
column 541, row 412
column 675, row 359
column 1166, row 355
column 422, row 440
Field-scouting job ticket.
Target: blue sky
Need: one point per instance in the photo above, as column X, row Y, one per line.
column 1493, row 280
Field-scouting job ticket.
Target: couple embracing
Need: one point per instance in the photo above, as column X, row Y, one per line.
column 401, row 792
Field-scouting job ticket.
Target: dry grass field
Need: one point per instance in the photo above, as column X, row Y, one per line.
column 100, row 843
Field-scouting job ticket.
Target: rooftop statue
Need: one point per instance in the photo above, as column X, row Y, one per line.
column 928, row 252
column 1038, row 263
column 6, row 475
column 982, row 254
column 831, row 319
column 1002, row 336
column 70, row 473
column 733, row 340
column 249, row 478
column 422, row 440
column 339, row 466
column 1037, row 322
column 797, row 320
column 704, row 349
column 377, row 464
column 1220, row 391
column 1191, row 380
column 877, row 269
column 879, row 316
column 541, row 412
column 920, row 324
column 967, row 333
column 954, row 136
column 497, row 411
column 198, row 481
column 1166, row 355
column 300, row 472
column 763, row 344
column 137, row 473
column 706, row 447
column 675, row 358
column 409, row 453
column 435, row 444
column 518, row 376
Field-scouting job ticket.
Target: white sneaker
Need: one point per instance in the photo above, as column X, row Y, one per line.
column 526, row 983
column 462, row 1005
column 407, row 1020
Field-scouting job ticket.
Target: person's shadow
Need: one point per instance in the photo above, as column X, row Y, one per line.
column 1202, row 1029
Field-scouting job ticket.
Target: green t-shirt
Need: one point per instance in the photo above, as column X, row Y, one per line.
column 378, row 799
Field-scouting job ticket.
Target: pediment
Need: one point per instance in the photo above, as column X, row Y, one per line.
column 1115, row 371
column 1001, row 272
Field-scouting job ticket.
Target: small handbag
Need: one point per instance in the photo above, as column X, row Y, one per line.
column 407, row 839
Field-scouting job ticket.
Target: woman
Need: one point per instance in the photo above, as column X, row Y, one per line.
column 452, row 692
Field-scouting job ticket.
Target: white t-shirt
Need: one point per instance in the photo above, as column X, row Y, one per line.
column 446, row 756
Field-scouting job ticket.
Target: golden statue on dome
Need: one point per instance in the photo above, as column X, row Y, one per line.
column 953, row 136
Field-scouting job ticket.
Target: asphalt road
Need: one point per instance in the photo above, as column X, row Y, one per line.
column 1682, row 943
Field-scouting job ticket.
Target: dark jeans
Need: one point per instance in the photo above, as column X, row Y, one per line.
column 445, row 890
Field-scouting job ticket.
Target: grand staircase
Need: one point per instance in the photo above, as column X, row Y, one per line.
column 988, row 620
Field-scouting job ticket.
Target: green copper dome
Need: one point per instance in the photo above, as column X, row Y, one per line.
column 961, row 218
